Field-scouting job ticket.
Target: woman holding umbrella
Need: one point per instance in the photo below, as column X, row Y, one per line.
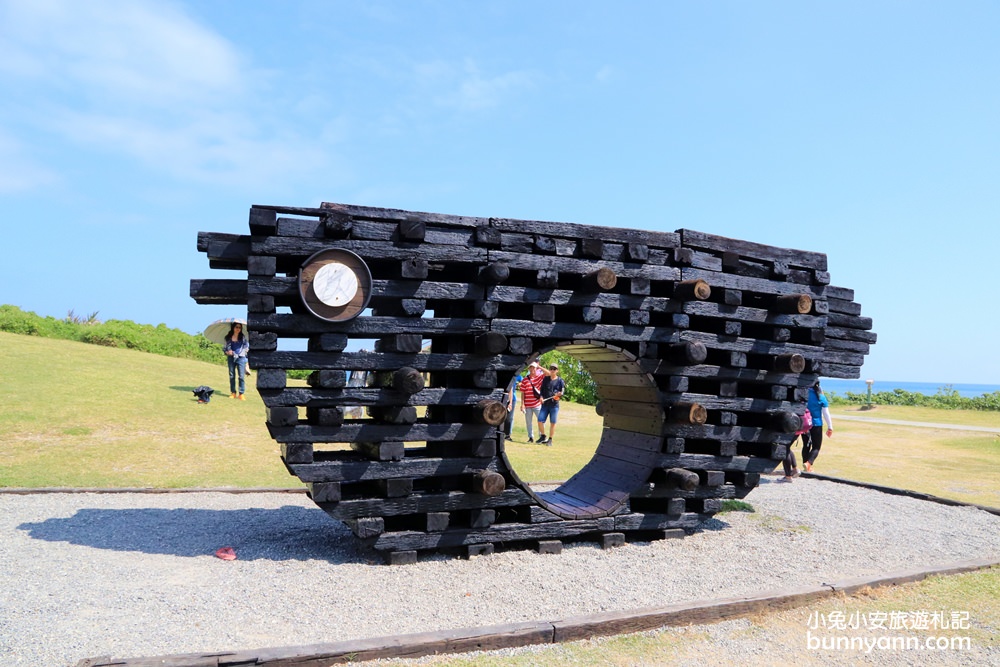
column 231, row 334
column 236, row 348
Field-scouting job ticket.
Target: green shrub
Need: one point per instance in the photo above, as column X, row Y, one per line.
column 989, row 401
column 157, row 339
column 113, row 333
column 15, row 320
column 730, row 505
column 946, row 398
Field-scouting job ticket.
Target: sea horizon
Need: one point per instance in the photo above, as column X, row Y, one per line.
column 860, row 386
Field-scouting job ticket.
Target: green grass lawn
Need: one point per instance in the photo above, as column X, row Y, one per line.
column 80, row 415
column 921, row 414
column 577, row 433
column 962, row 465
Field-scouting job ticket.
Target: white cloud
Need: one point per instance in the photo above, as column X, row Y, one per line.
column 141, row 52
column 466, row 88
column 143, row 80
column 478, row 92
column 214, row 148
column 605, row 74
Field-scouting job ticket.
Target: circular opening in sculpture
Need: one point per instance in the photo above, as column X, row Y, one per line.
column 630, row 439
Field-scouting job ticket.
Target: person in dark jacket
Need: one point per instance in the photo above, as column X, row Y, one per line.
column 509, row 401
column 236, row 347
column 552, row 390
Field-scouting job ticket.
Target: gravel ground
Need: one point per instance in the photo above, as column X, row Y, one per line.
column 84, row 575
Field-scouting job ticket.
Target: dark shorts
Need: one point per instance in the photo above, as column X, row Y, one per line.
column 549, row 411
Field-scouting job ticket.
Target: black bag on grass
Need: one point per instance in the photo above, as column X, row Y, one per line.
column 203, row 393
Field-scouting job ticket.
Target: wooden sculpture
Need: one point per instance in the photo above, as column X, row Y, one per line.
column 702, row 347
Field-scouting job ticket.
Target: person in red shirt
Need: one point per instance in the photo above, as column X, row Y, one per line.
column 531, row 397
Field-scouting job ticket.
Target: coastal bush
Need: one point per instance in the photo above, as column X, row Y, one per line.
column 157, row 339
column 127, row 334
column 14, row 320
column 946, row 398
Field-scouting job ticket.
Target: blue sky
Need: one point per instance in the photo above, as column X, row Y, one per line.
column 866, row 130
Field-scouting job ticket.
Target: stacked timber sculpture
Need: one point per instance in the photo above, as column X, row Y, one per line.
column 702, row 348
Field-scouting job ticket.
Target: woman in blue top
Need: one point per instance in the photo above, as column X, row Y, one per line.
column 819, row 408
column 236, row 348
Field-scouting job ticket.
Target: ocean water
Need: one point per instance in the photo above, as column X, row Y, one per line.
column 841, row 387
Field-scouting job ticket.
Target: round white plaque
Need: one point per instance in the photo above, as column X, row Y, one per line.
column 335, row 284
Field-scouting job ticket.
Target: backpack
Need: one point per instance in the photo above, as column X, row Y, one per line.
column 807, row 422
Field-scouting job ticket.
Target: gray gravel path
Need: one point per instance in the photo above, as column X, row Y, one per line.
column 129, row 575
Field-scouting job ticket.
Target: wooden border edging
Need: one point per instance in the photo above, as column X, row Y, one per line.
column 692, row 613
column 517, row 635
column 851, row 586
column 902, row 492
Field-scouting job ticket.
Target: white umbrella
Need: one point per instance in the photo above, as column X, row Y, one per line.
column 219, row 329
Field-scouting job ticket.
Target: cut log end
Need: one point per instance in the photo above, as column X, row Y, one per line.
column 491, row 342
column 801, row 304
column 790, row 363
column 682, row 479
column 489, row 483
column 495, row 273
column 407, row 380
column 688, row 413
column 490, row 412
column 606, row 278
column 689, row 352
column 698, row 290
column 787, row 422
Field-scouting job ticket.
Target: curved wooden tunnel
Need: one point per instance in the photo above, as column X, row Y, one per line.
column 630, row 443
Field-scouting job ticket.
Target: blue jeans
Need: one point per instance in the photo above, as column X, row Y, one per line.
column 237, row 366
column 549, row 411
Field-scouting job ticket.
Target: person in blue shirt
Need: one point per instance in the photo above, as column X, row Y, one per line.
column 236, row 347
column 552, row 390
column 510, row 400
column 819, row 408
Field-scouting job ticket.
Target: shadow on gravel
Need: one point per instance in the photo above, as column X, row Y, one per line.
column 712, row 524
column 285, row 533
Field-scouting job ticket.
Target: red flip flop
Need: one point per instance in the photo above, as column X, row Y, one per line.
column 226, row 553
